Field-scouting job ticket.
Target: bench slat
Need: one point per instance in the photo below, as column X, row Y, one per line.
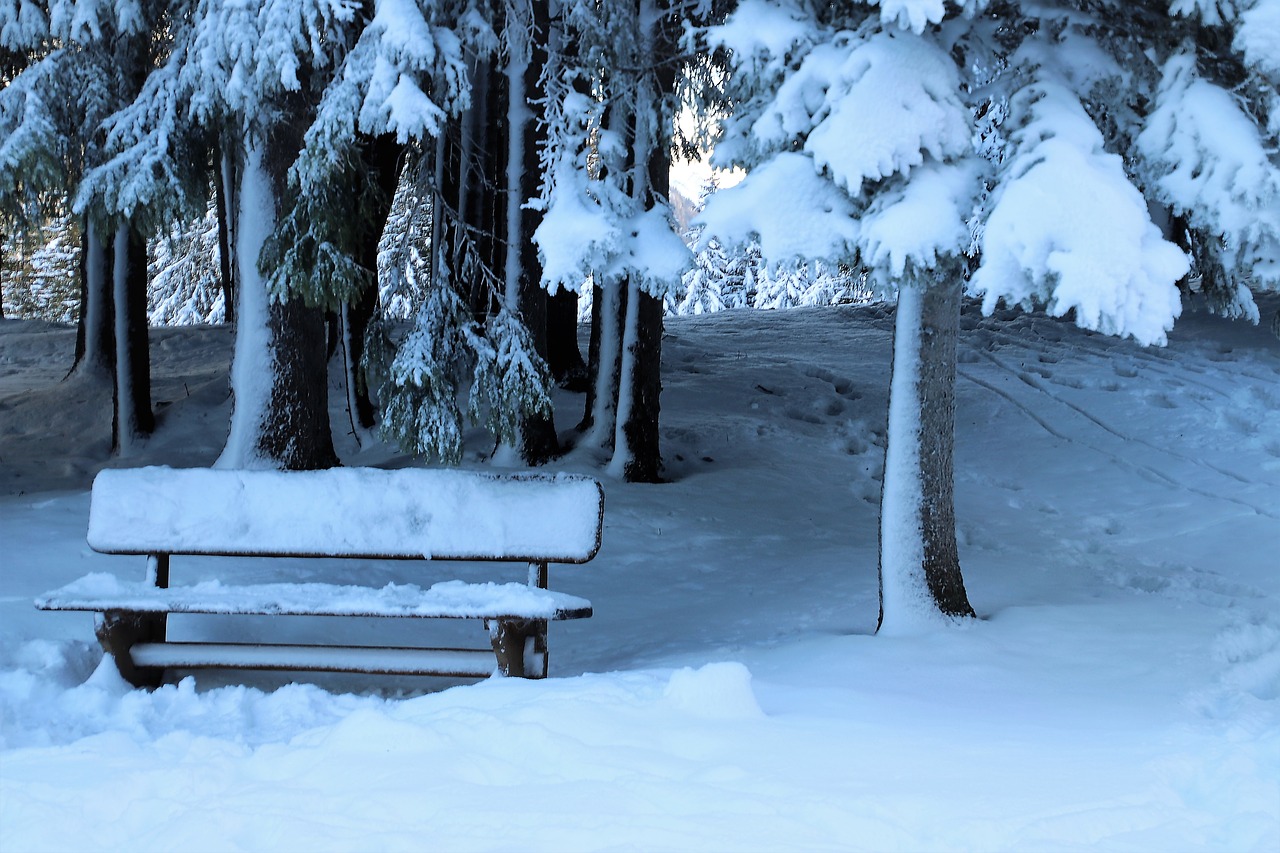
column 449, row 599
column 347, row 512
column 460, row 663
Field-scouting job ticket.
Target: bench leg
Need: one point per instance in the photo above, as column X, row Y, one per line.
column 118, row 631
column 520, row 646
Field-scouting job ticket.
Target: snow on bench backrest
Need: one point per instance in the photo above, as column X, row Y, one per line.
column 350, row 512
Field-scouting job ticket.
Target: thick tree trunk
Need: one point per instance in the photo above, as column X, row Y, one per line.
column 538, row 442
column 95, row 338
column 296, row 433
column 639, row 427
column 919, row 561
column 280, row 416
column 133, row 416
column 563, row 354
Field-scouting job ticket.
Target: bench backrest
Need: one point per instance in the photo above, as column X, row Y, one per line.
column 347, row 512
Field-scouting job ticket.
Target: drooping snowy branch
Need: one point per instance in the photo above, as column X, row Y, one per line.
column 1206, row 158
column 1067, row 229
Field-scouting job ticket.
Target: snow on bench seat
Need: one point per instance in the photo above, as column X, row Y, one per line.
column 346, row 512
column 447, row 600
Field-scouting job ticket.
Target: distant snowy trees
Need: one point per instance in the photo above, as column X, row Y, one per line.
column 722, row 279
column 1090, row 158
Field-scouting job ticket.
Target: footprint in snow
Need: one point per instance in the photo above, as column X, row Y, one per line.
column 1161, row 401
column 841, row 385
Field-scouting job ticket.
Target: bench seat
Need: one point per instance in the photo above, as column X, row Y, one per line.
column 103, row 593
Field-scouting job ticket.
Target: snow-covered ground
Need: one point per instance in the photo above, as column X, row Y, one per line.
column 1119, row 511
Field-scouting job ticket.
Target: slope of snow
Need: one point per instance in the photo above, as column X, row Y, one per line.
column 1119, row 510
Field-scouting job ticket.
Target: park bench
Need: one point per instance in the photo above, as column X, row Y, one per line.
column 352, row 513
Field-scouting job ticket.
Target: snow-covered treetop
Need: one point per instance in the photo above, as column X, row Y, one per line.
column 1036, row 140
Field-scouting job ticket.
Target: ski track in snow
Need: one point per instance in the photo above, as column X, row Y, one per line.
column 1038, row 378
column 1117, row 510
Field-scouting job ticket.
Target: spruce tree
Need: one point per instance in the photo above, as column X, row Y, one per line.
column 1015, row 150
column 606, row 219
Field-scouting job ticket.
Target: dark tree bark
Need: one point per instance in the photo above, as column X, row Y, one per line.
column 224, row 185
column 484, row 161
column 133, row 415
column 641, row 425
column 382, row 159
column 940, row 327
column 538, row 442
column 95, row 339
column 564, row 357
column 918, row 532
column 296, row 432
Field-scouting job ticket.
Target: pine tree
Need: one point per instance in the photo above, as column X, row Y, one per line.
column 1015, row 149
column 483, row 322
column 606, row 219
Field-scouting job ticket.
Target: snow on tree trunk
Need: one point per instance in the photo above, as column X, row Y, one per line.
column 919, row 561
column 622, row 455
column 607, row 329
column 279, row 381
column 133, row 415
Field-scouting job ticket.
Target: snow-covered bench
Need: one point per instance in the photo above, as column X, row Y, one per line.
column 357, row 513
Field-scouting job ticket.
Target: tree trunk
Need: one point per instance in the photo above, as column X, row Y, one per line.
column 95, row 339
column 382, row 159
column 538, row 442
column 224, row 184
column 563, row 355
column 919, row 561
column 640, row 424
column 608, row 316
column 133, row 416
column 280, row 416
column 637, row 446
